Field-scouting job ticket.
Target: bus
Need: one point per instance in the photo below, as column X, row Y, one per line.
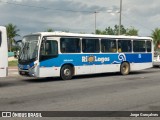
column 60, row 54
column 3, row 52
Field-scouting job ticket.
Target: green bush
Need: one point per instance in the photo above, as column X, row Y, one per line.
column 13, row 63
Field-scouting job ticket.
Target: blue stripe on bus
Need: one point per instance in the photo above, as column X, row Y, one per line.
column 90, row 59
column 96, row 59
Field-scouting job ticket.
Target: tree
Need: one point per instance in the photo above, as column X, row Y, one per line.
column 132, row 31
column 156, row 38
column 115, row 31
column 122, row 29
column 109, row 31
column 12, row 32
column 49, row 30
column 100, row 32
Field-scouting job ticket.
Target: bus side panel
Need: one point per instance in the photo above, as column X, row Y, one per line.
column 140, row 66
column 139, row 61
column 83, row 63
column 95, row 63
column 49, row 71
column 104, row 68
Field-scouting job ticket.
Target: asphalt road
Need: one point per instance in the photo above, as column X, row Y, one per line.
column 138, row 91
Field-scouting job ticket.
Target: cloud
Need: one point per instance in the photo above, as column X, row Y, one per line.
column 38, row 15
column 77, row 15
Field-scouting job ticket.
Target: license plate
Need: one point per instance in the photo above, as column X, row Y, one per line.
column 23, row 73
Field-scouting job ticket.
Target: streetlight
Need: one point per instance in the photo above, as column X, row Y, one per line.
column 120, row 17
column 110, row 11
column 95, row 22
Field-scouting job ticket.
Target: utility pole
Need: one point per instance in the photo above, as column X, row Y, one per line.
column 120, row 17
column 95, row 22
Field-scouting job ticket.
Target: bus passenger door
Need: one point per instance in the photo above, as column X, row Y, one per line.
column 48, row 53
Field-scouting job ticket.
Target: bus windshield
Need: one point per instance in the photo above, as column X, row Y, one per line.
column 29, row 50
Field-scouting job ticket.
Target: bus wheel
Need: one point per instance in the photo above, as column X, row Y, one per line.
column 125, row 68
column 66, row 72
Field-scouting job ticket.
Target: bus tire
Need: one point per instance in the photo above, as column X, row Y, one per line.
column 66, row 72
column 125, row 68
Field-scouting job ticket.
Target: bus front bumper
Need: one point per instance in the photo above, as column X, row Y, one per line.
column 29, row 72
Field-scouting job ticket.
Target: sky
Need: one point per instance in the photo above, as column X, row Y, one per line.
column 79, row 15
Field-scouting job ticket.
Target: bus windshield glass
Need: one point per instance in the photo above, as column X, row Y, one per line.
column 29, row 50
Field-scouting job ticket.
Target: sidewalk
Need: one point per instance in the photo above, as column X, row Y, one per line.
column 13, row 67
column 11, row 58
column 13, row 71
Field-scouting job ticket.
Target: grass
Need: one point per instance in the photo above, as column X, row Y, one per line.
column 13, row 63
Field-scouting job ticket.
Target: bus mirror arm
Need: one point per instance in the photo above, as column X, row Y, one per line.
column 19, row 43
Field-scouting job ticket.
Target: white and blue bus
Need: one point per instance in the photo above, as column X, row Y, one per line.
column 3, row 52
column 60, row 54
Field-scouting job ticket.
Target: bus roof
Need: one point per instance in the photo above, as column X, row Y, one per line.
column 2, row 27
column 58, row 33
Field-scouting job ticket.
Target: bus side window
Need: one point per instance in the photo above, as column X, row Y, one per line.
column 124, row 45
column 49, row 49
column 148, row 46
column 52, row 48
column 70, row 45
column 90, row 45
column 42, row 50
column 103, row 47
column 113, row 47
column 108, row 45
column 138, row 46
column 63, row 47
column 119, row 46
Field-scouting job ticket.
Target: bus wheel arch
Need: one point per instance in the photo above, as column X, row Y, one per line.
column 125, row 68
column 67, row 71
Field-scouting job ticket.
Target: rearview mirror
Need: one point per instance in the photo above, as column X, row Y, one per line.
column 19, row 43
